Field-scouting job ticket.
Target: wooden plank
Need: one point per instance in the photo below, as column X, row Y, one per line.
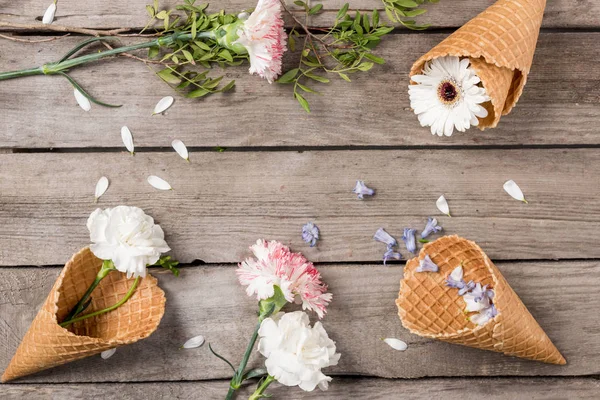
column 224, row 202
column 209, row 301
column 365, row 388
column 40, row 112
column 446, row 14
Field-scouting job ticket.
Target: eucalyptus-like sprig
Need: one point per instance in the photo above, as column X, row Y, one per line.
column 340, row 51
column 402, row 11
column 202, row 52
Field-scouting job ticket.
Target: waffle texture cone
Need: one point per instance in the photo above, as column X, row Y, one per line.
column 500, row 43
column 46, row 344
column 429, row 308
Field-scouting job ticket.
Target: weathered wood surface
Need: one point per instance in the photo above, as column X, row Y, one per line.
column 224, row 202
column 559, row 106
column 207, row 300
column 445, row 14
column 363, row 388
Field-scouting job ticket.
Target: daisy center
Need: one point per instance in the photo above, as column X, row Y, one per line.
column 448, row 92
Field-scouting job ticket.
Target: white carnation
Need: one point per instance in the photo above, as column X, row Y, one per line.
column 128, row 237
column 295, row 351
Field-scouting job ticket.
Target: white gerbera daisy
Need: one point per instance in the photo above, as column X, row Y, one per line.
column 447, row 96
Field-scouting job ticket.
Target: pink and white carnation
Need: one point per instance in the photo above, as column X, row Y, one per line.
column 264, row 38
column 276, row 265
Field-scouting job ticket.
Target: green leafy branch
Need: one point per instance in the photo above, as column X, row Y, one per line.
column 203, row 52
column 340, row 51
column 401, row 11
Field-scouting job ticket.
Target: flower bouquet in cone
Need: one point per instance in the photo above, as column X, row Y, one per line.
column 477, row 74
column 119, row 309
column 453, row 292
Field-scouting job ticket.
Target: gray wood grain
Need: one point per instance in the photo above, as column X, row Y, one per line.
column 224, row 202
column 209, row 301
column 356, row 388
column 560, row 105
column 446, row 14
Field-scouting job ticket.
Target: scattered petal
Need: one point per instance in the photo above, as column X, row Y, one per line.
column 83, row 101
column 127, row 139
column 101, row 187
column 382, row 236
column 49, row 14
column 410, row 240
column 442, row 205
column 361, row 190
column 426, row 265
column 194, row 342
column 159, row 183
column 108, row 353
column 514, row 190
column 390, row 253
column 396, row 344
column 310, row 233
column 163, row 105
column 180, row 148
column 430, row 228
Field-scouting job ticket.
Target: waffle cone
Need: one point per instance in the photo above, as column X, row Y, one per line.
column 47, row 345
column 500, row 42
column 429, row 308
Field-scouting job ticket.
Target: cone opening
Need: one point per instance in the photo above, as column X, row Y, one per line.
column 430, row 308
column 135, row 319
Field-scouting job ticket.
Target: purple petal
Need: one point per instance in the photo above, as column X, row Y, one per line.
column 382, row 236
column 362, row 190
column 430, row 227
column 409, row 239
column 390, row 253
column 310, row 233
column 426, row 265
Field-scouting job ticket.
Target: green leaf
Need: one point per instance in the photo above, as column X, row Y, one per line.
column 168, row 76
column 212, row 83
column 292, row 43
column 344, row 77
column 194, row 27
column 365, row 66
column 301, row 4
column 375, row 18
column 342, row 13
column 406, row 3
column 317, row 77
column 200, row 92
column 315, row 9
column 302, row 102
column 288, row 76
column 390, row 15
column 374, row 58
column 306, row 88
column 228, row 87
column 188, row 56
column 153, row 52
column 255, row 373
column 226, row 55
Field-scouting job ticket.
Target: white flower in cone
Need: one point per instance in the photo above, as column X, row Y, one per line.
column 264, row 38
column 295, row 351
column 128, row 237
column 447, row 96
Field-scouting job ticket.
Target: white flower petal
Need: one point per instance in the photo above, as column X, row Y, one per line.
column 514, row 190
column 396, row 344
column 83, row 101
column 159, row 183
column 101, row 187
column 180, row 148
column 442, row 205
column 127, row 139
column 163, row 105
column 108, row 353
column 49, row 14
column 194, row 342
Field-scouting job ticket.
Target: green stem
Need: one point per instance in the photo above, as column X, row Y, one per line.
column 105, row 310
column 107, row 267
column 56, row 67
column 237, row 379
column 260, row 390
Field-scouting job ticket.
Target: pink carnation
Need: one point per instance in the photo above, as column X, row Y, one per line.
column 264, row 38
column 297, row 278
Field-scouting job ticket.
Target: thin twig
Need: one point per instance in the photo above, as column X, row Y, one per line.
column 303, row 26
column 16, row 39
column 73, row 29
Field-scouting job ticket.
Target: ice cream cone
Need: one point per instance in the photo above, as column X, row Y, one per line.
column 500, row 43
column 47, row 345
column 428, row 307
